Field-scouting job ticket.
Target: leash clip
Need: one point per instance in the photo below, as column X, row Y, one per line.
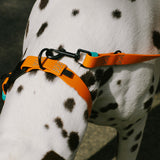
column 59, row 54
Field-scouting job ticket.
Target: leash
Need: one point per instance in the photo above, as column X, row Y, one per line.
column 87, row 59
column 116, row 58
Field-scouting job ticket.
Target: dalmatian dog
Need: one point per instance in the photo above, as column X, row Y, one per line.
column 45, row 119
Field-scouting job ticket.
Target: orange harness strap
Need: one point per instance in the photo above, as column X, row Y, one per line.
column 115, row 59
column 57, row 68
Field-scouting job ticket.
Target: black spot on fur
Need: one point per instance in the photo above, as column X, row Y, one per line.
column 88, row 78
column 111, row 106
column 64, row 133
column 75, row 12
column 43, row 4
column 59, row 122
column 73, row 141
column 138, row 136
column 33, row 72
column 148, row 103
column 119, row 82
column 19, row 89
column 86, row 115
column 156, row 39
column 93, row 94
column 116, row 14
column 69, row 104
column 42, row 28
column 128, row 127
column 27, row 28
column 46, row 126
column 130, row 132
column 132, row 0
column 134, row 148
column 106, row 76
column 99, row 74
column 51, row 155
column 61, row 48
column 49, row 76
column 151, row 90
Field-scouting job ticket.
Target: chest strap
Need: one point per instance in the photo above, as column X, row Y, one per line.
column 60, row 70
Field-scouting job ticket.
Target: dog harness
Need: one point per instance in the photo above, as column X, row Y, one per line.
column 87, row 59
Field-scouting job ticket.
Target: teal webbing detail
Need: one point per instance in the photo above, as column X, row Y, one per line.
column 94, row 54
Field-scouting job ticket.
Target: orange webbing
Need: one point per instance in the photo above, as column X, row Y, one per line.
column 56, row 67
column 116, row 59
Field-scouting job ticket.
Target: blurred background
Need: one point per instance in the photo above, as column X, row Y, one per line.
column 99, row 142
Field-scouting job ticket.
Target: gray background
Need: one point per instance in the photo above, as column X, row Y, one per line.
column 99, row 142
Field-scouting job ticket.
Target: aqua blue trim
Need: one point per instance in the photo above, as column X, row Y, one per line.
column 94, row 54
column 3, row 96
